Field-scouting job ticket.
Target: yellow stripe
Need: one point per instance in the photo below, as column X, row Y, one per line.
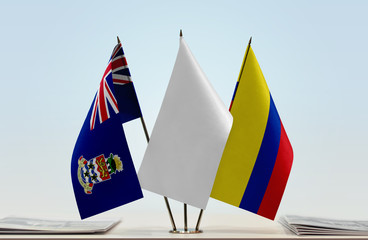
column 250, row 113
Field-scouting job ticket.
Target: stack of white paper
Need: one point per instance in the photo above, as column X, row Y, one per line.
column 322, row 226
column 43, row 226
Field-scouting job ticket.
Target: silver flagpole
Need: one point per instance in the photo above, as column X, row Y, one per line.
column 199, row 220
column 185, row 205
column 165, row 198
column 185, row 218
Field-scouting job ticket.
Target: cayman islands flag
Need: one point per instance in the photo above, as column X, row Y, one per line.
column 102, row 170
column 257, row 158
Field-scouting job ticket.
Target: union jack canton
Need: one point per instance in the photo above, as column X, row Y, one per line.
column 117, row 68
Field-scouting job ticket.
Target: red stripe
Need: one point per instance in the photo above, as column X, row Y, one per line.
column 120, row 81
column 124, row 61
column 276, row 186
column 231, row 104
column 94, row 114
column 102, row 103
column 118, row 63
column 111, row 95
column 107, row 70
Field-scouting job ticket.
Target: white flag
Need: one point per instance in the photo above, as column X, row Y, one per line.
column 188, row 138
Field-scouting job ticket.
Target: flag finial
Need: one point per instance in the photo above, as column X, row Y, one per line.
column 181, row 33
column 118, row 39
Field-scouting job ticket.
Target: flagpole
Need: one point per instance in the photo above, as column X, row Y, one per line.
column 147, row 138
column 165, row 198
column 185, row 218
column 242, row 68
column 199, row 220
column 245, row 58
column 185, row 205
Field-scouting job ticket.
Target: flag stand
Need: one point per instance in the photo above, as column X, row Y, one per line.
column 186, row 230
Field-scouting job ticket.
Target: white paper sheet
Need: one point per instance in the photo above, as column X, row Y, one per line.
column 46, row 226
column 302, row 225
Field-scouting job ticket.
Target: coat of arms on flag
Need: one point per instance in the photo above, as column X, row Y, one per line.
column 97, row 170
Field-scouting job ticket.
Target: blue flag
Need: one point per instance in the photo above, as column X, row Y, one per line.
column 102, row 170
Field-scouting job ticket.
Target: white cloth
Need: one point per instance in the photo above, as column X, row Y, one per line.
column 188, row 138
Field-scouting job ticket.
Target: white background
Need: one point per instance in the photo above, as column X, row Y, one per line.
column 313, row 55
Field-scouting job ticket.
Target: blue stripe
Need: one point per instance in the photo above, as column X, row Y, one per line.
column 264, row 164
column 236, row 88
column 119, row 53
column 124, row 71
column 82, row 174
column 128, row 102
column 91, row 171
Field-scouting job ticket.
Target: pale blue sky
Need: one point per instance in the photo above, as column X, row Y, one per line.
column 313, row 55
